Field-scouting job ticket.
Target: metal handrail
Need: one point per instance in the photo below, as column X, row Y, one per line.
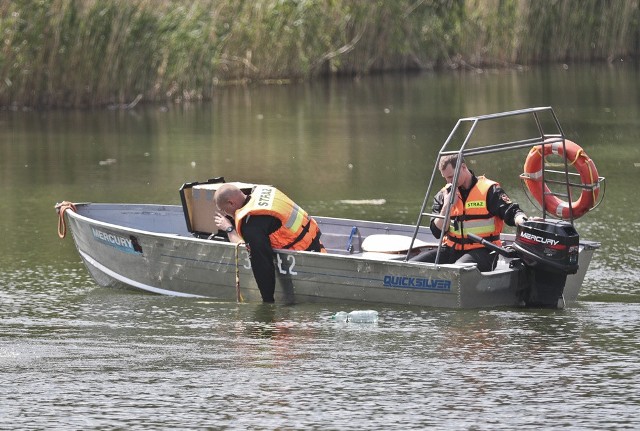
column 541, row 139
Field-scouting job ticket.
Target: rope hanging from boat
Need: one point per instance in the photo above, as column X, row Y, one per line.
column 61, row 208
column 239, row 297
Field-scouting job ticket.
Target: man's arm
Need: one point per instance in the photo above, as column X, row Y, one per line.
column 500, row 204
column 438, row 208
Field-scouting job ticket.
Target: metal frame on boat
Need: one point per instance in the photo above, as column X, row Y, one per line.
column 154, row 248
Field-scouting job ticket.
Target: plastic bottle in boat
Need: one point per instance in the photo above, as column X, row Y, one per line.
column 363, row 316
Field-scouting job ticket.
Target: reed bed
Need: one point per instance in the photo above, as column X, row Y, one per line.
column 82, row 53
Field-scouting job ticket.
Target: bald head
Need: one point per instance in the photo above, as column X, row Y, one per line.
column 229, row 199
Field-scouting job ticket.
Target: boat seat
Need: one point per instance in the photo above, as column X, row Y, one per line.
column 394, row 244
column 381, row 256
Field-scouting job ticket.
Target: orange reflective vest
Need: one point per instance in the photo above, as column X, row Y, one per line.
column 298, row 230
column 473, row 216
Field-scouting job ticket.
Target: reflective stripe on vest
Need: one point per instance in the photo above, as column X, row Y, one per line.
column 473, row 218
column 296, row 218
column 297, row 231
column 481, row 227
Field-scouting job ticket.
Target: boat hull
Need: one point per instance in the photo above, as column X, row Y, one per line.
column 148, row 248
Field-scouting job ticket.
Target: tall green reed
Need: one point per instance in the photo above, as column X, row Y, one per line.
column 80, row 53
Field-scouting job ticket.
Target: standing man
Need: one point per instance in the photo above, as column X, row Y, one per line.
column 480, row 207
column 265, row 220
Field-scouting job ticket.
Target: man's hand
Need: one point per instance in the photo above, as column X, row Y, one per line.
column 446, row 195
column 222, row 222
column 519, row 219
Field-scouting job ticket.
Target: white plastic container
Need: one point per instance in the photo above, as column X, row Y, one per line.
column 363, row 316
column 341, row 316
column 356, row 316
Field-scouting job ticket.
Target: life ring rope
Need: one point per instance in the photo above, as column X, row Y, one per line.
column 239, row 297
column 579, row 153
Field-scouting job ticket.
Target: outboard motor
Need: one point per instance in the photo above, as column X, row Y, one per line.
column 549, row 251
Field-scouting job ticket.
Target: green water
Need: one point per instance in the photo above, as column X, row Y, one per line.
column 76, row 356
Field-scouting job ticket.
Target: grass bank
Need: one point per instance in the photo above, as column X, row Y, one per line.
column 79, row 53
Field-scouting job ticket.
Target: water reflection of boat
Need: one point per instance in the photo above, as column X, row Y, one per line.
column 176, row 250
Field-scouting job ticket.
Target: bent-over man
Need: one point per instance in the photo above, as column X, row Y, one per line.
column 265, row 220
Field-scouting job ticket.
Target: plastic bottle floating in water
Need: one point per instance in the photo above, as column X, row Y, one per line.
column 363, row 316
column 357, row 316
column 340, row 316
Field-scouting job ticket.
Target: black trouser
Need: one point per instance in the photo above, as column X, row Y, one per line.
column 483, row 257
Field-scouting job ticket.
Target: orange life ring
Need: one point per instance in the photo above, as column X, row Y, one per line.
column 575, row 156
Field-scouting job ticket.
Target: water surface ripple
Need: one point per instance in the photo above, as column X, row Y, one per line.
column 84, row 357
